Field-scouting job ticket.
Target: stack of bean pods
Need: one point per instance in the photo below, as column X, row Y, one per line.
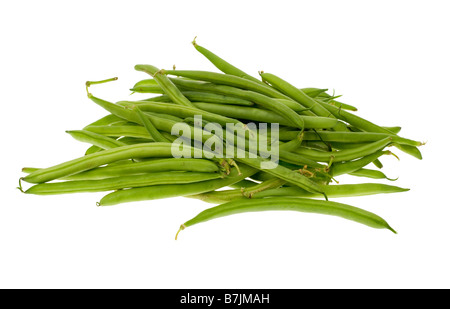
column 319, row 138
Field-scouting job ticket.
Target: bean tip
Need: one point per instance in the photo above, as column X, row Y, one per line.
column 20, row 185
column 182, row 227
column 391, row 229
column 194, row 42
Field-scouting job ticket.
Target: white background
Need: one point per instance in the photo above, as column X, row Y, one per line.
column 389, row 58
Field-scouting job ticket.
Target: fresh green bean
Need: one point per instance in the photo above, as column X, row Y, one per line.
column 169, row 88
column 106, row 120
column 341, row 168
column 197, row 96
column 369, row 173
column 150, row 150
column 228, row 80
column 295, row 94
column 223, row 65
column 95, row 139
column 261, row 115
column 149, row 126
column 122, row 182
column 293, row 204
column 335, row 191
column 255, row 97
column 346, row 154
column 144, row 167
column 182, row 111
column 167, row 191
column 163, row 124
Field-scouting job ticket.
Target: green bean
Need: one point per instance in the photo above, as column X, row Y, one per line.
column 148, row 86
column 136, row 168
column 338, row 104
column 297, row 107
column 169, row 88
column 255, row 97
column 127, row 131
column 163, row 124
column 295, row 94
column 284, row 173
column 314, row 92
column 135, row 140
column 409, row 149
column 149, row 126
column 341, row 168
column 107, row 120
column 222, row 65
column 153, row 150
column 261, row 115
column 93, row 149
column 335, row 191
column 228, row 80
column 368, row 173
column 346, row 154
column 167, row 191
column 293, row 204
column 183, row 111
column 122, row 182
column 197, row 96
column 243, row 184
column 350, row 137
column 95, row 139
column 353, row 119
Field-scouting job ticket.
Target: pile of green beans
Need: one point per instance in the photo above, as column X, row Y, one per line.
column 130, row 152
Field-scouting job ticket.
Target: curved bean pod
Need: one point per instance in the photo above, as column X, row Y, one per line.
column 150, row 150
column 95, row 139
column 261, row 115
column 295, row 94
column 122, row 182
column 335, row 191
column 167, row 191
column 209, row 97
column 136, row 168
column 293, row 204
column 169, row 88
column 346, row 154
column 228, row 80
column 223, row 65
column 255, row 97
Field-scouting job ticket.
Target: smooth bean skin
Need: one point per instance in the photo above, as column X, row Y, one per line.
column 167, row 191
column 136, row 168
column 95, row 139
column 285, row 174
column 369, row 173
column 346, row 154
column 261, row 115
column 334, row 191
column 163, row 124
column 228, row 80
column 223, row 65
column 169, row 88
column 87, row 162
column 341, row 168
column 197, row 96
column 106, row 120
column 295, row 94
column 180, row 111
column 127, row 131
column 122, row 182
column 255, row 97
column 292, row 204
